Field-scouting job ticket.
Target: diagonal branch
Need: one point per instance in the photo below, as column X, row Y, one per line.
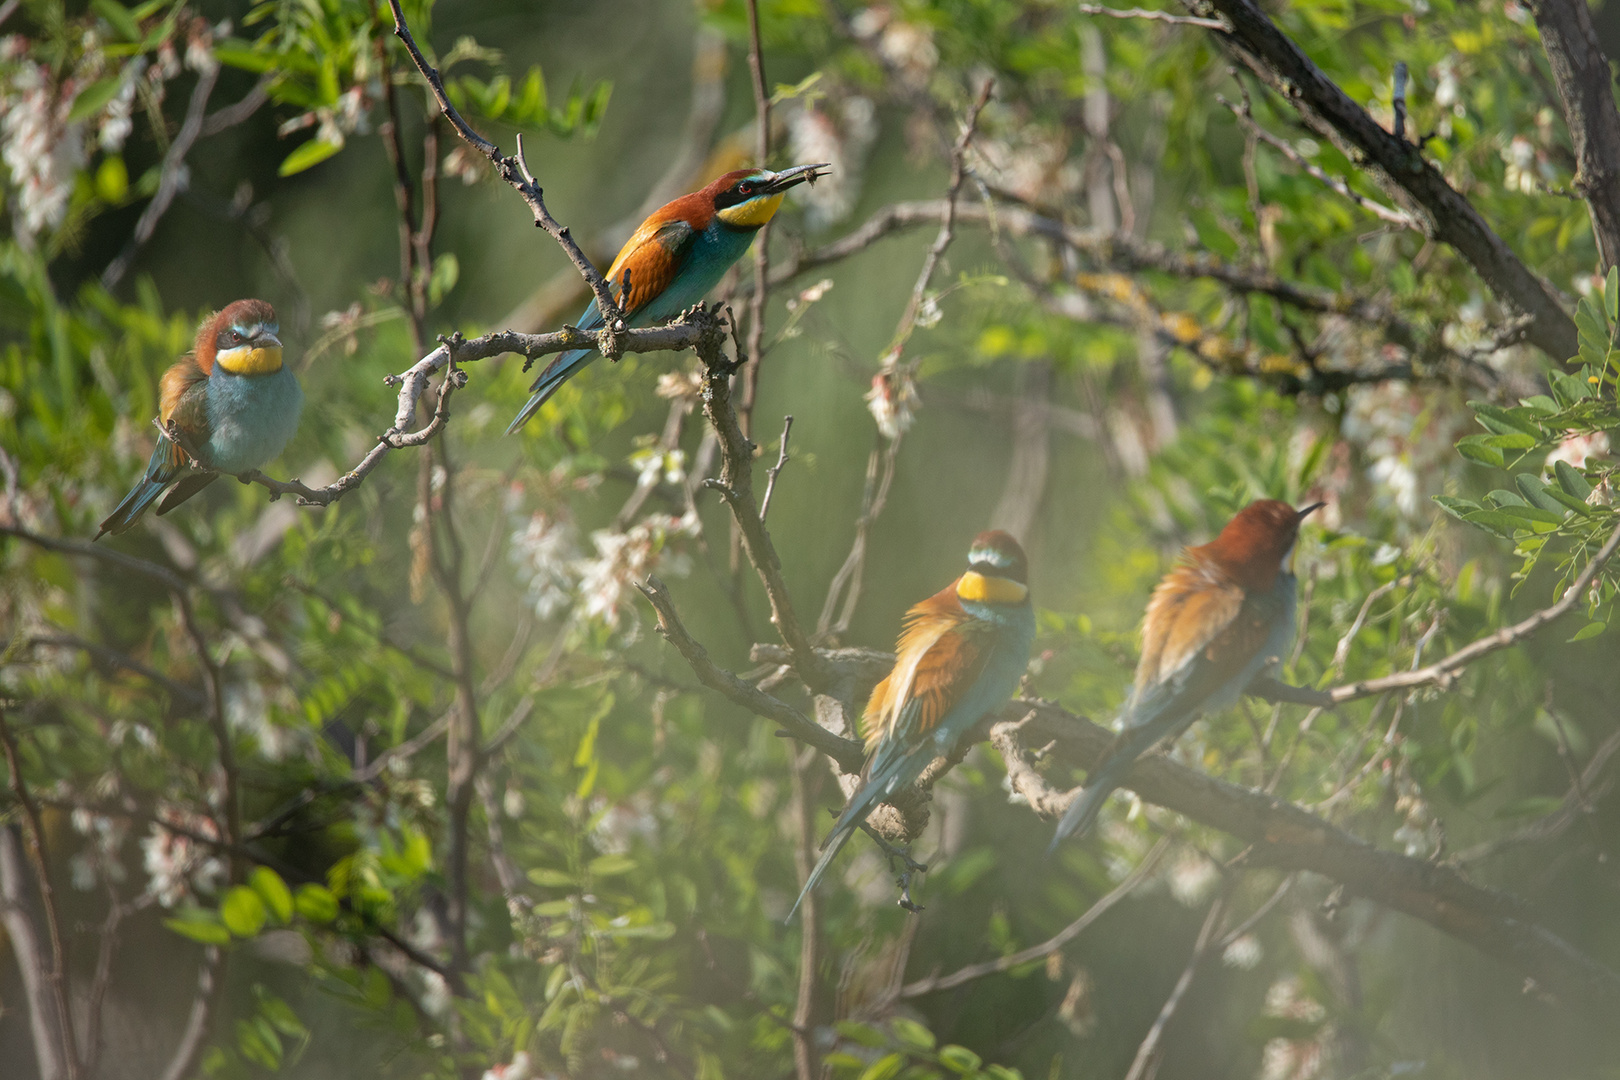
column 849, row 754
column 1397, row 166
column 1286, row 836
column 934, row 983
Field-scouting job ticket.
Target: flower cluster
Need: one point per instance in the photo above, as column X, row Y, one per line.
column 178, row 865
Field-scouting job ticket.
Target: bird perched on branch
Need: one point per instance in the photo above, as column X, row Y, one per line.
column 959, row 658
column 1214, row 624
column 230, row 405
column 677, row 255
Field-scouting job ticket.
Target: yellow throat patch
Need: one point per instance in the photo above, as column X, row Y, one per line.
column 246, row 361
column 992, row 590
column 753, row 213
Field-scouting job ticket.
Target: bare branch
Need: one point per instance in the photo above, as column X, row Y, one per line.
column 736, row 486
column 776, row 470
column 849, row 754
column 1151, row 16
column 1286, row 836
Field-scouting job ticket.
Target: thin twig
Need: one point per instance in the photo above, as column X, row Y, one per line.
column 935, row 983
column 762, row 241
column 172, row 178
column 1441, row 672
column 1282, row 146
column 195, row 1035
column 775, row 470
column 1151, row 16
column 514, row 172
column 849, row 753
column 1148, row 1055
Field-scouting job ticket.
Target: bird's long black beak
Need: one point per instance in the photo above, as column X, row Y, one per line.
column 799, row 174
column 1307, row 511
column 264, row 339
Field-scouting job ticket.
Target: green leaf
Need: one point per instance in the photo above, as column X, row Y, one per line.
column 865, row 1034
column 242, row 912
column 1536, row 491
column 1532, row 513
column 1611, row 296
column 1505, row 420
column 308, row 155
column 552, row 879
column 884, row 1067
column 611, row 865
column 446, row 272
column 1572, row 480
column 1475, row 448
column 201, row 925
column 316, row 903
column 93, row 98
column 273, row 891
column 112, row 179
column 959, row 1059
column 1590, row 630
column 118, row 17
column 1457, row 508
column 244, row 57
column 1496, row 521
column 912, row 1035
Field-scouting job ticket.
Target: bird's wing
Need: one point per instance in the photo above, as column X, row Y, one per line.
column 652, row 257
column 1201, row 630
column 182, row 396
column 941, row 654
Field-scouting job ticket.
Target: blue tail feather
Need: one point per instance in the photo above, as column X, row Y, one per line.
column 1106, row 776
column 559, row 371
column 882, row 782
column 167, row 462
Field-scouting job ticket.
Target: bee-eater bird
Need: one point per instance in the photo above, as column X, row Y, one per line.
column 960, row 656
column 233, row 403
column 1213, row 625
column 671, row 262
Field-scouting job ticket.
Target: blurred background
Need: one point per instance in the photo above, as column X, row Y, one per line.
column 630, row 838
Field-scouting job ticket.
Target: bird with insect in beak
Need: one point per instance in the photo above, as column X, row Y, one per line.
column 674, row 258
column 1215, row 624
column 960, row 657
column 231, row 404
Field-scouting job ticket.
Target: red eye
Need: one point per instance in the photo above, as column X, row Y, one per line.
column 236, row 337
column 745, row 189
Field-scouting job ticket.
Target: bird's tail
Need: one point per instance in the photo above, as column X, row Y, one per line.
column 887, row 775
column 1106, row 776
column 168, row 460
column 559, row 371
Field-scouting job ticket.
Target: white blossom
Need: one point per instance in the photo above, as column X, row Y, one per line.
column 546, row 552
column 40, row 149
column 893, row 401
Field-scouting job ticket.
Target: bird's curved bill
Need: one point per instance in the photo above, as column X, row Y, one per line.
column 1307, row 511
column 793, row 177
